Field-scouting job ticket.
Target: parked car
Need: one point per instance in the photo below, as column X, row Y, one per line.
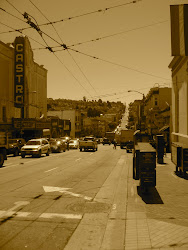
column 36, row 147
column 57, row 145
column 74, row 144
column 106, row 141
column 15, row 145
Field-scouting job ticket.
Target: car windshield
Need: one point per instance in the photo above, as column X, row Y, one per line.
column 72, row 141
column 88, row 139
column 33, row 143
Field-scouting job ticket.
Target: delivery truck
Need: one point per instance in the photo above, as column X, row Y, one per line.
column 110, row 136
column 126, row 138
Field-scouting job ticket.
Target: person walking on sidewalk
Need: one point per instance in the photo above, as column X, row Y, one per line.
column 115, row 144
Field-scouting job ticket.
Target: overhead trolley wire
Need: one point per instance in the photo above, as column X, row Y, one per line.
column 77, row 16
column 67, row 50
column 14, row 7
column 123, row 66
column 26, row 15
column 11, row 15
column 47, row 19
column 72, row 74
column 17, row 30
column 92, row 12
column 104, row 37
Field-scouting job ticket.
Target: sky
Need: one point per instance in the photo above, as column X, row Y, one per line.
column 113, row 46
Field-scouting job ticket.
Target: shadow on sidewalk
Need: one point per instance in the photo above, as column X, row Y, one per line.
column 151, row 196
column 181, row 175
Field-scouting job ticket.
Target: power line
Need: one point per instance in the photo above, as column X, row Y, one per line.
column 67, row 50
column 72, row 74
column 47, row 19
column 17, row 30
column 78, row 16
column 122, row 66
column 14, row 7
column 36, row 27
column 107, row 36
column 82, row 72
column 11, row 14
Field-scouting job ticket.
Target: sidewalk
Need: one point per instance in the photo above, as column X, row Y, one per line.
column 158, row 220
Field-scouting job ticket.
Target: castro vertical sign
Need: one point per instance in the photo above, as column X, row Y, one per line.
column 19, row 73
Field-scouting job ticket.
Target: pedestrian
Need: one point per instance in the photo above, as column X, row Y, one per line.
column 115, row 144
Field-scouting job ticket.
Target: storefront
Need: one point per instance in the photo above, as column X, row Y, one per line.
column 31, row 128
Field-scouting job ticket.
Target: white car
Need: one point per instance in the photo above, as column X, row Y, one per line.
column 74, row 144
column 36, row 147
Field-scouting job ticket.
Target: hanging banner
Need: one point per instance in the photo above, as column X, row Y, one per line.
column 19, row 72
column 179, row 29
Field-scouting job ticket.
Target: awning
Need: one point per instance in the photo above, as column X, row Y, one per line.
column 165, row 128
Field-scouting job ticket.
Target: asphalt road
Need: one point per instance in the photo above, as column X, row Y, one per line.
column 43, row 200
column 89, row 200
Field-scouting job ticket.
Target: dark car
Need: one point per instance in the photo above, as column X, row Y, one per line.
column 15, row 145
column 57, row 145
column 106, row 141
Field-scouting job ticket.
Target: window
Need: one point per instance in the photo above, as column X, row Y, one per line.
column 156, row 101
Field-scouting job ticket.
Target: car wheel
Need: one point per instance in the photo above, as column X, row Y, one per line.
column 80, row 149
column 39, row 154
column 16, row 153
column 23, row 155
column 48, row 152
column 1, row 159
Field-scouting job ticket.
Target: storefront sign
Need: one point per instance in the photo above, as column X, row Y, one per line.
column 28, row 125
column 24, row 124
column 41, row 125
column 19, row 73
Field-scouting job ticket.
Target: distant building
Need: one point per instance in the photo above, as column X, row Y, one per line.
column 74, row 116
column 157, row 109
column 134, row 118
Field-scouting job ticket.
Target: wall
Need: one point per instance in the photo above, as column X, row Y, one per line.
column 179, row 67
column 6, row 82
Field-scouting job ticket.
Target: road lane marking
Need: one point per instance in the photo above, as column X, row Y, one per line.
column 78, row 159
column 64, row 216
column 18, row 204
column 64, row 190
column 49, row 189
column 5, row 214
column 50, row 170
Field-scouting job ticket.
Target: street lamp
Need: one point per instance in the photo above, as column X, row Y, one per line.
column 137, row 92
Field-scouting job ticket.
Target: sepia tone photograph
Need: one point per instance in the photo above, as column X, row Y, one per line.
column 94, row 125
